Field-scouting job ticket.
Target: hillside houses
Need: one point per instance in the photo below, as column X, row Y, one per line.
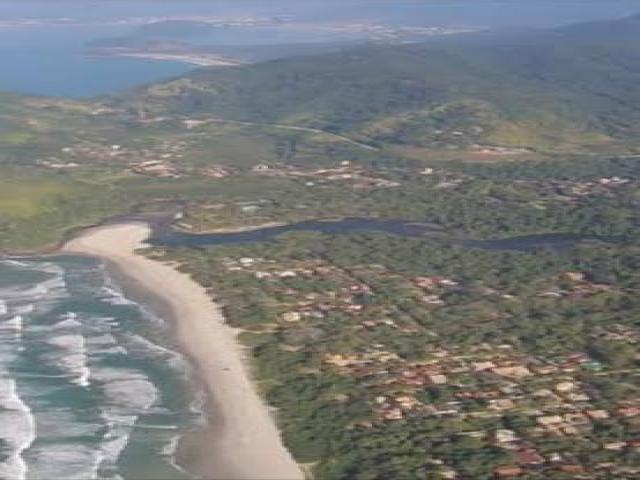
column 540, row 413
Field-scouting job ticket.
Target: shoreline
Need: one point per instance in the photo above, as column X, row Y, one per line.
column 189, row 58
column 241, row 440
column 238, row 229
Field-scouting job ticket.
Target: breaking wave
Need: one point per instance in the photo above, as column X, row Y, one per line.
column 18, row 432
column 81, row 383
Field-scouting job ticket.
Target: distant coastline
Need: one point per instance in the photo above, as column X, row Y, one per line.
column 191, row 58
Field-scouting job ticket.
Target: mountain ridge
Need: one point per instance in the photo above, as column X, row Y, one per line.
column 527, row 90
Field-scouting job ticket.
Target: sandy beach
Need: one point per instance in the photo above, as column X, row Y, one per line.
column 242, row 442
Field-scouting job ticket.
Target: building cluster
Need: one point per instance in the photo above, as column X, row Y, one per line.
column 572, row 191
column 347, row 172
column 164, row 160
column 542, row 412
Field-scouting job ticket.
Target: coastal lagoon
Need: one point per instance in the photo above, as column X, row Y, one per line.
column 90, row 386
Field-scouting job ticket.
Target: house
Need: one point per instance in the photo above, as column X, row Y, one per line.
column 615, row 446
column 425, row 282
column 437, row 379
column 482, row 366
column 576, row 418
column 506, row 436
column 529, row 457
column 545, row 369
column 407, row 401
column 574, row 276
column 341, row 360
column 597, row 414
column 502, row 404
column 215, row 172
column 518, row 371
column 578, row 397
column 629, row 411
column 508, row 472
column 571, row 468
column 550, row 420
column 432, row 300
column 448, row 474
column 287, row 274
column 291, row 317
column 550, row 294
column 393, row 414
column 564, row 387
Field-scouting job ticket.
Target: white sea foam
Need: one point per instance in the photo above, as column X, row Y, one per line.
column 73, row 358
column 56, row 424
column 81, row 346
column 105, row 344
column 115, row 297
column 198, row 407
column 14, row 324
column 17, row 293
column 12, row 328
column 3, row 307
column 18, row 432
column 116, row 439
column 170, row 451
column 66, row 325
column 68, row 321
column 15, row 263
column 130, row 393
column 24, row 309
column 41, row 296
column 139, row 344
column 71, row 461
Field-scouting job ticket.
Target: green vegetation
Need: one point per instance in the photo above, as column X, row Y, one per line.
column 517, row 132
column 530, row 91
column 390, row 357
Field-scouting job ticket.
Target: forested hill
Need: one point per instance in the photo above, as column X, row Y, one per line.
column 568, row 89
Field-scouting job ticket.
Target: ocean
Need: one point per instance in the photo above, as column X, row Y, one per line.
column 52, row 60
column 90, row 387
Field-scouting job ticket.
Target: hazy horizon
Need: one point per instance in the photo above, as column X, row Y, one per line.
column 490, row 13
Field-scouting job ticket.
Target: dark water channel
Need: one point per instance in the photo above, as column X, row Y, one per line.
column 164, row 235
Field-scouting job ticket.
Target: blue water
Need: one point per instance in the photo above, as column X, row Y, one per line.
column 87, row 389
column 172, row 238
column 52, row 61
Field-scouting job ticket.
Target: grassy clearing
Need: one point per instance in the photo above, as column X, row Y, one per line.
column 26, row 197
